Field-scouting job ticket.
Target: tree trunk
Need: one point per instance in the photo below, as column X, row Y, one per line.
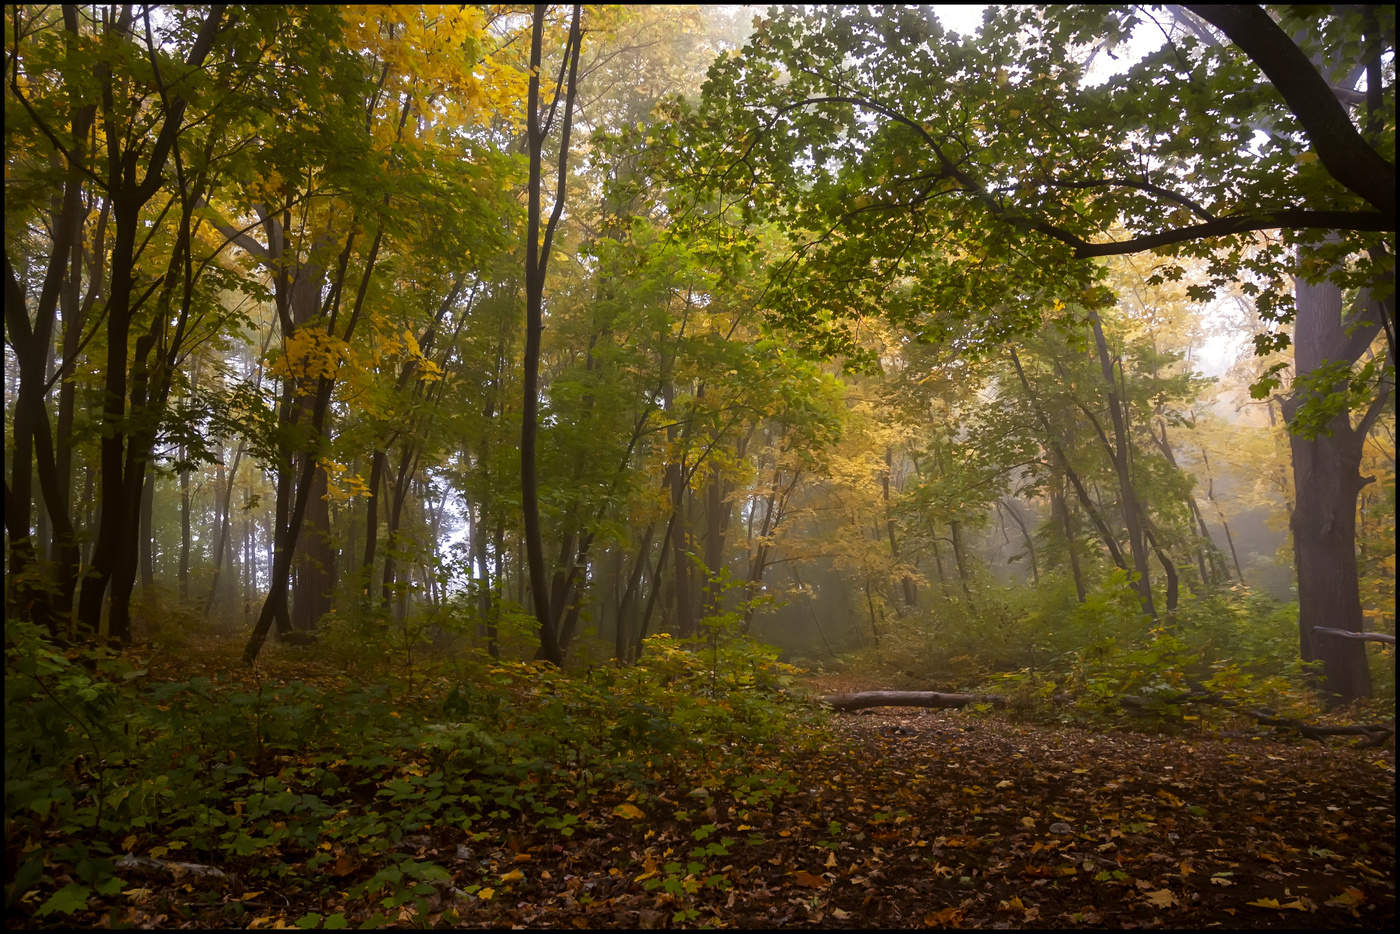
column 1106, row 536
column 1328, row 482
column 1015, row 513
column 224, row 530
column 1060, row 508
column 536, row 265
column 146, row 545
column 1220, row 513
column 906, row 580
column 1132, row 511
column 185, row 536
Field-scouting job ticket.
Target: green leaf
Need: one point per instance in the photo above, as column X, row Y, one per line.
column 72, row 897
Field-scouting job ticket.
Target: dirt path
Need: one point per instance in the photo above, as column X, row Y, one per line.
column 936, row 818
column 978, row 822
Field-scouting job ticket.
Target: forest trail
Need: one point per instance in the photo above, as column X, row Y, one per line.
column 934, row 818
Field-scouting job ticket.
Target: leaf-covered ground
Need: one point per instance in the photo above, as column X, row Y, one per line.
column 890, row 819
column 935, row 819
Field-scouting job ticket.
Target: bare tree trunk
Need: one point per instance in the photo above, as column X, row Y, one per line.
column 146, row 544
column 1132, row 510
column 1327, row 481
column 536, row 265
column 1220, row 513
column 184, row 573
column 955, row 530
column 1106, row 536
column 1060, row 507
column 906, row 580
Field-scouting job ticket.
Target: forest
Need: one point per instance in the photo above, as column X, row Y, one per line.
column 655, row 466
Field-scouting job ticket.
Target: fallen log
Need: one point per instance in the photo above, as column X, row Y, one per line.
column 864, row 699
column 1377, row 734
column 145, row 865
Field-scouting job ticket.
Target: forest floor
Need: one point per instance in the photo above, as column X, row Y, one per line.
column 927, row 818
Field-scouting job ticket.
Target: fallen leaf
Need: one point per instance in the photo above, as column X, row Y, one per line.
column 805, row 878
column 1350, row 898
column 942, row 917
column 515, row 875
column 628, row 811
column 1162, row 898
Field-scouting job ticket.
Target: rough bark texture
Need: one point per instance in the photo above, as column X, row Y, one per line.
column 1326, row 482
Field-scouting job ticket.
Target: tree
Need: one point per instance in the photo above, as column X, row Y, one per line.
column 983, row 186
column 537, row 253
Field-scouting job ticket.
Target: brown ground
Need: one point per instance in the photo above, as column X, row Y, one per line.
column 918, row 818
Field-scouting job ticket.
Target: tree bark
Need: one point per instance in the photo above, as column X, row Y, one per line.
column 536, row 265
column 1327, row 482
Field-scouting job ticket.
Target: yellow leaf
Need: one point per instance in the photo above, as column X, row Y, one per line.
column 486, row 894
column 250, row 895
column 1297, row 905
column 628, row 811
column 1350, row 898
column 1162, row 898
column 830, row 860
column 515, row 875
column 943, row 917
column 1005, row 783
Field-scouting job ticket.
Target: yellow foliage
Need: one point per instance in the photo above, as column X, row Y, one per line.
column 308, row 354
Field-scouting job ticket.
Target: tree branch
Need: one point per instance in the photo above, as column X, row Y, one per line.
column 1288, row 218
column 1342, row 150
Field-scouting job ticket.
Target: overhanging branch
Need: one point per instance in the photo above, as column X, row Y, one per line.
column 1340, row 147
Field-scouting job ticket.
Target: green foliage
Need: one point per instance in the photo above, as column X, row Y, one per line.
column 1234, row 646
column 259, row 775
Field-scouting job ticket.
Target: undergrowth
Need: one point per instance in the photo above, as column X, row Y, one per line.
column 1061, row 660
column 312, row 784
